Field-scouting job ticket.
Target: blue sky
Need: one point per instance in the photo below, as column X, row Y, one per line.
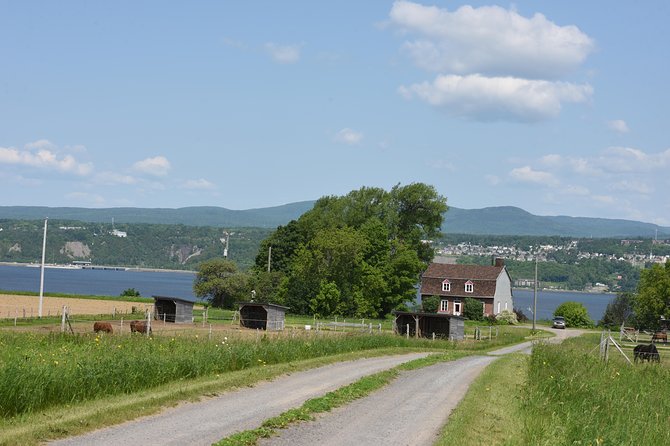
column 558, row 107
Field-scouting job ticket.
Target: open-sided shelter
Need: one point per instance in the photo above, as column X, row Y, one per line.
column 174, row 309
column 262, row 315
column 424, row 325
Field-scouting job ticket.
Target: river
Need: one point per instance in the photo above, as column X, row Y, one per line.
column 97, row 282
column 180, row 284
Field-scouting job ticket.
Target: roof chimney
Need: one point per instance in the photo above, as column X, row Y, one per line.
column 499, row 262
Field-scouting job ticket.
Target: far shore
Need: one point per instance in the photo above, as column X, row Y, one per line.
column 70, row 266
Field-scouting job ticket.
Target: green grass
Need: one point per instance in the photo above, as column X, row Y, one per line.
column 575, row 397
column 491, row 409
column 331, row 400
column 40, row 371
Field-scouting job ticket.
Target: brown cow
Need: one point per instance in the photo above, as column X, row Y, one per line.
column 103, row 326
column 139, row 327
column 659, row 336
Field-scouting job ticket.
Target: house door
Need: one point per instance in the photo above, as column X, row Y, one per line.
column 457, row 308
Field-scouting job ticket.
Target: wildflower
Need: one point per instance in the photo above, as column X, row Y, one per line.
column 55, row 362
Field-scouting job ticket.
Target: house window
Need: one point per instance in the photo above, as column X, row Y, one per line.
column 469, row 286
column 446, row 286
column 498, row 306
column 444, row 305
column 457, row 308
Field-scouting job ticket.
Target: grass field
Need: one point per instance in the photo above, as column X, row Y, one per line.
column 564, row 394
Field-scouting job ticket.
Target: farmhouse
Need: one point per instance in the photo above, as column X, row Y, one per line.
column 491, row 285
column 428, row 324
column 173, row 309
column 262, row 315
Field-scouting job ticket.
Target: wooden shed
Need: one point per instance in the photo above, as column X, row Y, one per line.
column 173, row 309
column 444, row 326
column 262, row 315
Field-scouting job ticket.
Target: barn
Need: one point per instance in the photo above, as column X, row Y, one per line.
column 262, row 315
column 425, row 324
column 173, row 309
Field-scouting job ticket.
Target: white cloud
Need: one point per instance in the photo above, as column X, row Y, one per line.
column 619, row 126
column 493, row 180
column 113, row 178
column 626, row 159
column 284, row 54
column 489, row 40
column 44, row 155
column 349, row 136
column 157, row 166
column 634, row 186
column 552, row 160
column 497, row 98
column 199, row 184
column 526, row 174
column 604, row 199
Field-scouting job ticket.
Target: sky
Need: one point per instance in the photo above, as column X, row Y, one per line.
column 557, row 107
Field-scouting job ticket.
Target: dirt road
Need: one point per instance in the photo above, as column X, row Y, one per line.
column 209, row 421
column 410, row 411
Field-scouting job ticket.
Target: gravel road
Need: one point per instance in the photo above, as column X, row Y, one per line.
column 409, row 411
column 209, row 421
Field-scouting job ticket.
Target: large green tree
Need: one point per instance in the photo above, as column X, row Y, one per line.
column 653, row 296
column 360, row 254
column 220, row 282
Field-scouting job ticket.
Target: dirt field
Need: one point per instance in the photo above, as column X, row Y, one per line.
column 13, row 305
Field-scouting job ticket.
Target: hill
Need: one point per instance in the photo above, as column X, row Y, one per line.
column 503, row 220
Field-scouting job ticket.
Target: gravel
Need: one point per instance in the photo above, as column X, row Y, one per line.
column 209, row 421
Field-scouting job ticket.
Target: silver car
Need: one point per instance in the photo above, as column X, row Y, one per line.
column 558, row 322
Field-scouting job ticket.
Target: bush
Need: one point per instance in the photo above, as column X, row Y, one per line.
column 130, row 292
column 520, row 316
column 430, row 304
column 472, row 309
column 575, row 314
column 508, row 317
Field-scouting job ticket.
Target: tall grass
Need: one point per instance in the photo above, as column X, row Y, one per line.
column 39, row 371
column 574, row 398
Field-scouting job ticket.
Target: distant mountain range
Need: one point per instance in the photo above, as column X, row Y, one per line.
column 503, row 220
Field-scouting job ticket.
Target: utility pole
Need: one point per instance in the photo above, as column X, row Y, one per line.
column 535, row 294
column 44, row 250
column 269, row 257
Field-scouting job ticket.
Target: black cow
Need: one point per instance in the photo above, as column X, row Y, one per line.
column 646, row 353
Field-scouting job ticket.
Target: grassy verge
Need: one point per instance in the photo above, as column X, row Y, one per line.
column 574, row 398
column 491, row 410
column 74, row 419
column 331, row 400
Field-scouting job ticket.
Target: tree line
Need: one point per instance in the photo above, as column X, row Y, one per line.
column 359, row 255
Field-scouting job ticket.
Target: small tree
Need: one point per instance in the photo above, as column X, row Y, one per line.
column 130, row 292
column 619, row 311
column 219, row 281
column 430, row 304
column 472, row 309
column 575, row 314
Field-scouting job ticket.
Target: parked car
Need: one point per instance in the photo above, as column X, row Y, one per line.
column 558, row 322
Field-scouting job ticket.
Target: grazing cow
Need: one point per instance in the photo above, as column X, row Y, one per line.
column 660, row 336
column 139, row 327
column 103, row 326
column 646, row 353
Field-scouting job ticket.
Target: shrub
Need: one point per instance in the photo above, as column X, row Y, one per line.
column 430, row 304
column 520, row 316
column 472, row 309
column 508, row 317
column 575, row 314
column 130, row 292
